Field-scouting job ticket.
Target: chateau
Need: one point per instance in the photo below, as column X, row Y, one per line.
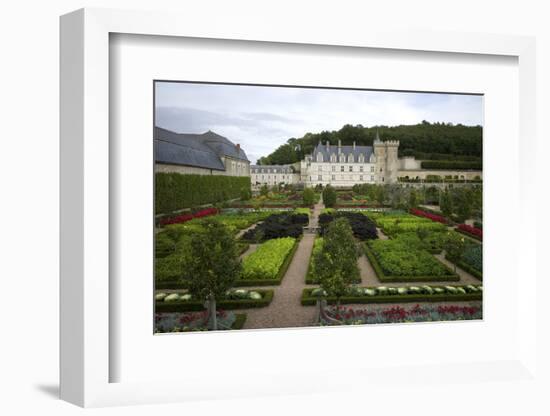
column 337, row 165
column 345, row 166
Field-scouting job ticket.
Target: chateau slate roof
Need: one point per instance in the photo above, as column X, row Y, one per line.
column 346, row 150
column 200, row 150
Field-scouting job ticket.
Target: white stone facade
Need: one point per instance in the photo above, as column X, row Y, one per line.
column 345, row 166
column 271, row 175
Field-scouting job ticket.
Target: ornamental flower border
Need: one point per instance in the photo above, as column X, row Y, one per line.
column 430, row 216
column 470, row 231
column 178, row 219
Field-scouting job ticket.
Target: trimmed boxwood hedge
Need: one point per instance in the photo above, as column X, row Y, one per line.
column 451, row 164
column 229, row 304
column 174, row 191
column 308, row 300
column 240, row 319
column 280, row 274
column 406, row 279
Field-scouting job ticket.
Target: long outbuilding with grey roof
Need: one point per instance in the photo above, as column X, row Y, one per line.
column 204, row 154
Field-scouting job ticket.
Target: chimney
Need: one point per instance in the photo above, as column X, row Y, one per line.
column 353, row 145
column 339, row 143
column 238, row 146
column 328, row 145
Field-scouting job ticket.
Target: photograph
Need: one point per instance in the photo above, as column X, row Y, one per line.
column 282, row 206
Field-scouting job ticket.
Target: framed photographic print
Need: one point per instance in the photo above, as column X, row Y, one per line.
column 235, row 209
column 339, row 224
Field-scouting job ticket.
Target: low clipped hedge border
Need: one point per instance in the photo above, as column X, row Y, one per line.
column 229, row 304
column 280, row 274
column 467, row 234
column 406, row 279
column 308, row 300
column 451, row 165
column 466, row 267
column 240, row 319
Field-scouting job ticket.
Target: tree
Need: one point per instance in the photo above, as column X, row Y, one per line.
column 246, row 194
column 446, row 203
column 213, row 267
column 308, row 197
column 454, row 247
column 380, row 195
column 336, row 263
column 463, row 203
column 413, row 199
column 264, row 190
column 329, row 196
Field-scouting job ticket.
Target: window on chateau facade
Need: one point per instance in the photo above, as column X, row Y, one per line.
column 360, row 177
column 342, row 158
column 341, row 168
column 372, row 168
column 351, row 168
column 372, row 178
column 360, row 168
column 334, row 168
column 333, row 158
column 320, row 168
column 320, row 177
column 333, row 177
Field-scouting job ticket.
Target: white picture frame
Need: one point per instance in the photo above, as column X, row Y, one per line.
column 85, row 211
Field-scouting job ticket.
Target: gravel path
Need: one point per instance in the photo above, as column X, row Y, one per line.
column 240, row 233
column 285, row 310
column 251, row 249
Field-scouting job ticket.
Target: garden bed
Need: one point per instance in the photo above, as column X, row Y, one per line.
column 311, row 279
column 470, row 231
column 269, row 270
column 447, row 274
column 186, row 324
column 382, row 294
column 162, row 306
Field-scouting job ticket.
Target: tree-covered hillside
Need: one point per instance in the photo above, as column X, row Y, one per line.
column 437, row 141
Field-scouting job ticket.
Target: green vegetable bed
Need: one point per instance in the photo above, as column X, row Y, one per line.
column 269, row 263
column 404, row 294
column 393, row 263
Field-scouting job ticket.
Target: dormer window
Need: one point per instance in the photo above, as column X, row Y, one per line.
column 319, row 157
column 361, row 158
column 342, row 158
column 333, row 158
column 350, row 159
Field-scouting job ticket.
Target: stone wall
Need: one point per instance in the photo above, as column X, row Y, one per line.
column 423, row 173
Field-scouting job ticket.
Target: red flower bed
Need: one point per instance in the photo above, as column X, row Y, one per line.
column 476, row 232
column 433, row 217
column 187, row 217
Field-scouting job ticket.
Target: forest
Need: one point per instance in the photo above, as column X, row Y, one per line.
column 425, row 141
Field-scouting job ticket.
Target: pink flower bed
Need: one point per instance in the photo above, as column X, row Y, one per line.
column 476, row 232
column 188, row 217
column 433, row 217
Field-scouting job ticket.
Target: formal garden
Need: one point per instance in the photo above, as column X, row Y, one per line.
column 227, row 258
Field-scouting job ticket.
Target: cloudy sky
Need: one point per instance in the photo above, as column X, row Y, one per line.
column 263, row 118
